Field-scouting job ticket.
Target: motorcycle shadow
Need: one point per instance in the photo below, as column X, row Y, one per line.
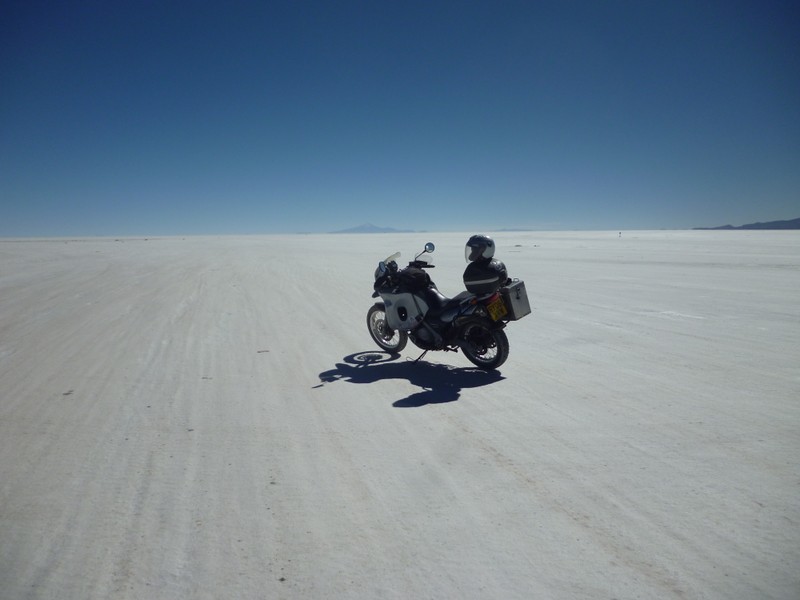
column 439, row 383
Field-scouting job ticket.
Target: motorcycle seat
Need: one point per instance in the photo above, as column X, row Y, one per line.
column 438, row 302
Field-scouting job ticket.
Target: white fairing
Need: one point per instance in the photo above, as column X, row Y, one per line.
column 407, row 305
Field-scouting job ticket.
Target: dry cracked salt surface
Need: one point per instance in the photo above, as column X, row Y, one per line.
column 208, row 418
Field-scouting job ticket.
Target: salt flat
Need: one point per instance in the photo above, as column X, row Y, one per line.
column 195, row 418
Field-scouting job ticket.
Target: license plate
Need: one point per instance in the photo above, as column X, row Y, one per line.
column 497, row 309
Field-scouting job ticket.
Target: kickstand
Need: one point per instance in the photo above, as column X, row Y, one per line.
column 419, row 358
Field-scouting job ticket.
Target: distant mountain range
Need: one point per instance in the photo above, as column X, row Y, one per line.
column 370, row 228
column 772, row 225
column 791, row 224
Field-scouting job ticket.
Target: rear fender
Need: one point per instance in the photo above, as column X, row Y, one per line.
column 478, row 316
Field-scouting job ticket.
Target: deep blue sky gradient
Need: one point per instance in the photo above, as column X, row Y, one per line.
column 128, row 118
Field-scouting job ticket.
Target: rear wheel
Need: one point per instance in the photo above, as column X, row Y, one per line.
column 386, row 337
column 485, row 346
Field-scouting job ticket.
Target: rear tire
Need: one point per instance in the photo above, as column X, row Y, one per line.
column 386, row 337
column 485, row 346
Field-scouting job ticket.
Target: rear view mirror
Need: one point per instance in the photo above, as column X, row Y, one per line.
column 429, row 247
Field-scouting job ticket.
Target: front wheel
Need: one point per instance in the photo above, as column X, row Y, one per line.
column 485, row 346
column 386, row 337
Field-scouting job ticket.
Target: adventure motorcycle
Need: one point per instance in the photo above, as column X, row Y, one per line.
column 413, row 308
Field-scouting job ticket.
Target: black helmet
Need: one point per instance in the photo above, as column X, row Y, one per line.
column 479, row 247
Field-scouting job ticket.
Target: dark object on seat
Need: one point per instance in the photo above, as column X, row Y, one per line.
column 485, row 276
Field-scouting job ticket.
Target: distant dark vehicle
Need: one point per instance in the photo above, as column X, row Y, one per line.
column 412, row 307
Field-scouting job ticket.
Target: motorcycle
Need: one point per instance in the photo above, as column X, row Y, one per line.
column 413, row 308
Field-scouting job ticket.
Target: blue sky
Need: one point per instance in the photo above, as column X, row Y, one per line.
column 129, row 118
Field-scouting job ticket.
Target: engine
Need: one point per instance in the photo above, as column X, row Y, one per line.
column 425, row 337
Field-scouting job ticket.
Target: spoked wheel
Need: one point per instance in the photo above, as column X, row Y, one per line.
column 386, row 337
column 484, row 346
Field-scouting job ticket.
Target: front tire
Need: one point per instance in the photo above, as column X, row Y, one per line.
column 485, row 346
column 386, row 337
